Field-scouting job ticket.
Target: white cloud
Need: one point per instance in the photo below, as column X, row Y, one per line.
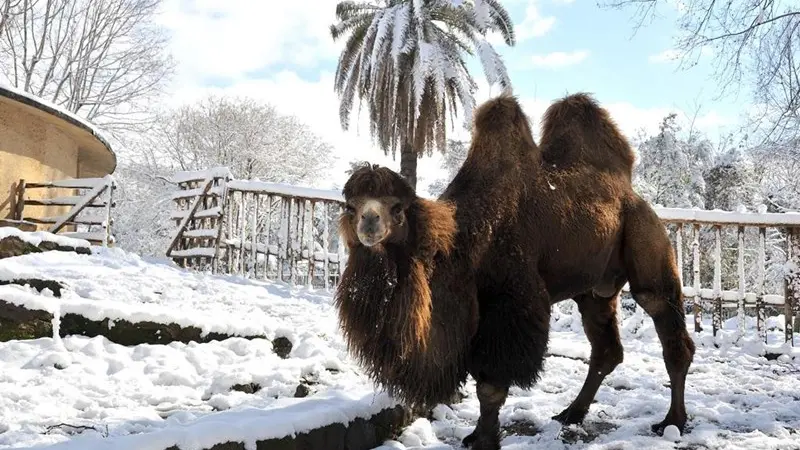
column 535, row 24
column 556, row 60
column 228, row 39
column 665, row 56
column 675, row 55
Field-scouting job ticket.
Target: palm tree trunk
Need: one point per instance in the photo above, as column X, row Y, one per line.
column 408, row 164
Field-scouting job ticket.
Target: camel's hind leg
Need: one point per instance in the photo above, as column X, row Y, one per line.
column 599, row 316
column 653, row 276
column 486, row 435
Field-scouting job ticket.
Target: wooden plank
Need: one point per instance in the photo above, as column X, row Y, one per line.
column 742, row 282
column 19, row 206
column 791, row 282
column 761, row 320
column 86, row 200
column 696, row 306
column 716, row 315
column 190, row 214
column 325, row 244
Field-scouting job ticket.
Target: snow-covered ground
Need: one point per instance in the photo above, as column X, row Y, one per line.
column 89, row 393
column 735, row 401
column 52, row 390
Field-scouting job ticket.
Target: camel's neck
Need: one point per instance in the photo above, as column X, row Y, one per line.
column 409, row 341
column 397, row 312
column 487, row 199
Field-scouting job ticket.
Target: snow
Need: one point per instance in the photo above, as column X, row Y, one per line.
column 61, row 110
column 200, row 175
column 89, row 393
column 285, row 189
column 159, row 292
column 728, row 217
column 154, row 396
column 482, row 14
column 36, row 237
column 81, row 183
column 735, row 398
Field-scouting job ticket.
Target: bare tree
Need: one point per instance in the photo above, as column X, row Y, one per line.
column 753, row 43
column 101, row 59
column 252, row 139
column 8, row 8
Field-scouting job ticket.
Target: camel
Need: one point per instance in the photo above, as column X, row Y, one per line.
column 435, row 290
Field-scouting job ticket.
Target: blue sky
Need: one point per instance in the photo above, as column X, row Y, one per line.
column 281, row 52
column 619, row 65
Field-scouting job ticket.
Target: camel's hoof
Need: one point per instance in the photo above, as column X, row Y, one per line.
column 469, row 440
column 658, row 428
column 473, row 442
column 570, row 416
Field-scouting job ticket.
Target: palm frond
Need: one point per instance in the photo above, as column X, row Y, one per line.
column 404, row 60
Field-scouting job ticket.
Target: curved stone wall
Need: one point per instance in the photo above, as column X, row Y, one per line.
column 38, row 144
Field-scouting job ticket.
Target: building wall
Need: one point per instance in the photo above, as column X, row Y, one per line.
column 33, row 147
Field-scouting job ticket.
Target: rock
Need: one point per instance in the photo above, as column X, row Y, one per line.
column 127, row 333
column 37, row 284
column 249, row 388
column 360, row 434
column 14, row 246
column 52, row 246
column 17, row 322
column 302, row 391
column 282, row 347
column 11, row 246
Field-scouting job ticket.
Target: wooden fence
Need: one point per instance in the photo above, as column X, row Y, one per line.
column 742, row 262
column 79, row 208
column 257, row 229
column 732, row 264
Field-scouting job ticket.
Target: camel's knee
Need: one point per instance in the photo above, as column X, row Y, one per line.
column 490, row 394
column 665, row 305
column 609, row 359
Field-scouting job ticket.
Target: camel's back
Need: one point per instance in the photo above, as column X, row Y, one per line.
column 576, row 131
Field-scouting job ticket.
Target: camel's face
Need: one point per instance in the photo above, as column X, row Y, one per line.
column 377, row 200
column 377, row 220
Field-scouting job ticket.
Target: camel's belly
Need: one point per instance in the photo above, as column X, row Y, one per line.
column 595, row 267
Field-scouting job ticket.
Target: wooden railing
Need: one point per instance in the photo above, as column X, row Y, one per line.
column 199, row 212
column 257, row 229
column 747, row 262
column 732, row 264
column 283, row 232
column 62, row 206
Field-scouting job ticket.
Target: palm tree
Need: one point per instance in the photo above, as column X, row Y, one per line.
column 405, row 59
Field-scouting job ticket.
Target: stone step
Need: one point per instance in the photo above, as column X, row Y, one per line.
column 19, row 322
column 333, row 421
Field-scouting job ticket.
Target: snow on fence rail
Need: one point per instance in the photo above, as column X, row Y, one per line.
column 742, row 263
column 46, row 203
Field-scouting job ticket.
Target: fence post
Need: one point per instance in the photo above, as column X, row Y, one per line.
column 19, row 201
column 792, row 294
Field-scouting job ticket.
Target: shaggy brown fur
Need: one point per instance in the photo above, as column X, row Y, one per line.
column 533, row 227
column 385, row 297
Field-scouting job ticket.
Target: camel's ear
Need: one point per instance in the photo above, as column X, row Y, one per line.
column 437, row 225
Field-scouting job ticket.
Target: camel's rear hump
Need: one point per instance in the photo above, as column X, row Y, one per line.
column 576, row 130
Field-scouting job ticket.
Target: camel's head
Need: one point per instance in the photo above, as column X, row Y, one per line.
column 376, row 207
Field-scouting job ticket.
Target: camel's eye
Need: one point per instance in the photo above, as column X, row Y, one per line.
column 397, row 208
column 349, row 209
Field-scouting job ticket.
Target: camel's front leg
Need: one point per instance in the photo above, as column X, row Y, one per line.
column 487, row 433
